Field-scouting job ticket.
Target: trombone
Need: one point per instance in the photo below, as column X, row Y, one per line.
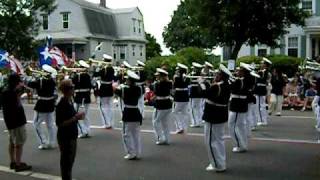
column 99, row 63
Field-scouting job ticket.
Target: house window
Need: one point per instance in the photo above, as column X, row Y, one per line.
column 133, row 50
column 114, row 52
column 262, row 52
column 45, row 22
column 307, row 5
column 141, row 51
column 134, row 25
column 122, row 52
column 65, row 20
column 140, row 27
column 293, row 46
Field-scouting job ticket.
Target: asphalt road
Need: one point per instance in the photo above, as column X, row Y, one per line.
column 285, row 149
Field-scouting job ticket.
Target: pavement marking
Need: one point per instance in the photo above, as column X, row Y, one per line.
column 298, row 117
column 284, row 140
column 30, row 174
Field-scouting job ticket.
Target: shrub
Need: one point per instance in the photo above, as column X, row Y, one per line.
column 287, row 64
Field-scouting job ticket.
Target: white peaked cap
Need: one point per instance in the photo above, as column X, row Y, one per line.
column 254, row 74
column 208, row 64
column 266, row 60
column 182, row 66
column 49, row 69
column 160, row 70
column 225, row 70
column 246, row 66
column 106, row 56
column 126, row 64
column 84, row 64
column 197, row 65
column 132, row 75
column 141, row 63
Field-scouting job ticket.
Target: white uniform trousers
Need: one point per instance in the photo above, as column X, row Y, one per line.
column 141, row 105
column 215, row 144
column 181, row 114
column 317, row 113
column 261, row 110
column 84, row 124
column 276, row 104
column 106, row 111
column 196, row 111
column 161, row 124
column 251, row 120
column 131, row 138
column 40, row 117
column 237, row 129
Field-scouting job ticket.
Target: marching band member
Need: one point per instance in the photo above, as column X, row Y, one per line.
column 207, row 69
column 215, row 116
column 238, row 109
column 260, row 92
column 181, row 98
column 82, row 82
column 163, row 107
column 251, row 120
column 131, row 115
column 141, row 83
column 44, row 108
column 196, row 96
column 106, row 93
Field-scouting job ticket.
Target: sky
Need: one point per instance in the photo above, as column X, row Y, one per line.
column 156, row 13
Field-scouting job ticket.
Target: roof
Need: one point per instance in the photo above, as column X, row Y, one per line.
column 62, row 36
column 124, row 10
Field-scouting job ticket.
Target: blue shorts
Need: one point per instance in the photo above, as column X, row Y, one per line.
column 310, row 93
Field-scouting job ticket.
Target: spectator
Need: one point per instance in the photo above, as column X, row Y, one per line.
column 292, row 93
column 66, row 120
column 278, row 83
column 15, row 121
column 309, row 96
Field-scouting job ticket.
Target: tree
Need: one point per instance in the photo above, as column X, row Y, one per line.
column 236, row 22
column 19, row 24
column 183, row 32
column 153, row 49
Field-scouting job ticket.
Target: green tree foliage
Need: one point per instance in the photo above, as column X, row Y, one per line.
column 182, row 32
column 19, row 24
column 153, row 49
column 287, row 64
column 236, row 22
column 185, row 56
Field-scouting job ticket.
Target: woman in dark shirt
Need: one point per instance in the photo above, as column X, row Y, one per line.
column 66, row 120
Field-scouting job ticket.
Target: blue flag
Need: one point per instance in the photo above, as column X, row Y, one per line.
column 4, row 59
column 45, row 57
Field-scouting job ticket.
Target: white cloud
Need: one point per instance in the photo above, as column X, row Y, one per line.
column 157, row 14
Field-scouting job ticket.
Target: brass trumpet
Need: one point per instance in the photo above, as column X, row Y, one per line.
column 99, row 63
column 64, row 68
column 30, row 72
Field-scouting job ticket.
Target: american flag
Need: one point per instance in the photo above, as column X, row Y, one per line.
column 60, row 57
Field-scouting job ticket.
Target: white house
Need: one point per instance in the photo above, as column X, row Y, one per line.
column 78, row 26
column 299, row 42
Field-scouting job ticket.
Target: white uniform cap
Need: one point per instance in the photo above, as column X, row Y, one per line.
column 141, row 63
column 246, row 66
column 208, row 64
column 162, row 71
column 132, row 75
column 126, row 64
column 49, row 69
column 197, row 65
column 156, row 74
column 254, row 74
column 225, row 70
column 84, row 64
column 266, row 60
column 106, row 56
column 182, row 66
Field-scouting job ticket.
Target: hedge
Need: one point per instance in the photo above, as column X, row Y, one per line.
column 287, row 64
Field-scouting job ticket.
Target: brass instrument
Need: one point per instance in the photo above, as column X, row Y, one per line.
column 99, row 63
column 198, row 77
column 30, row 72
column 64, row 68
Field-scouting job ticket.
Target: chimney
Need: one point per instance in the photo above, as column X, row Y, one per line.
column 103, row 3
